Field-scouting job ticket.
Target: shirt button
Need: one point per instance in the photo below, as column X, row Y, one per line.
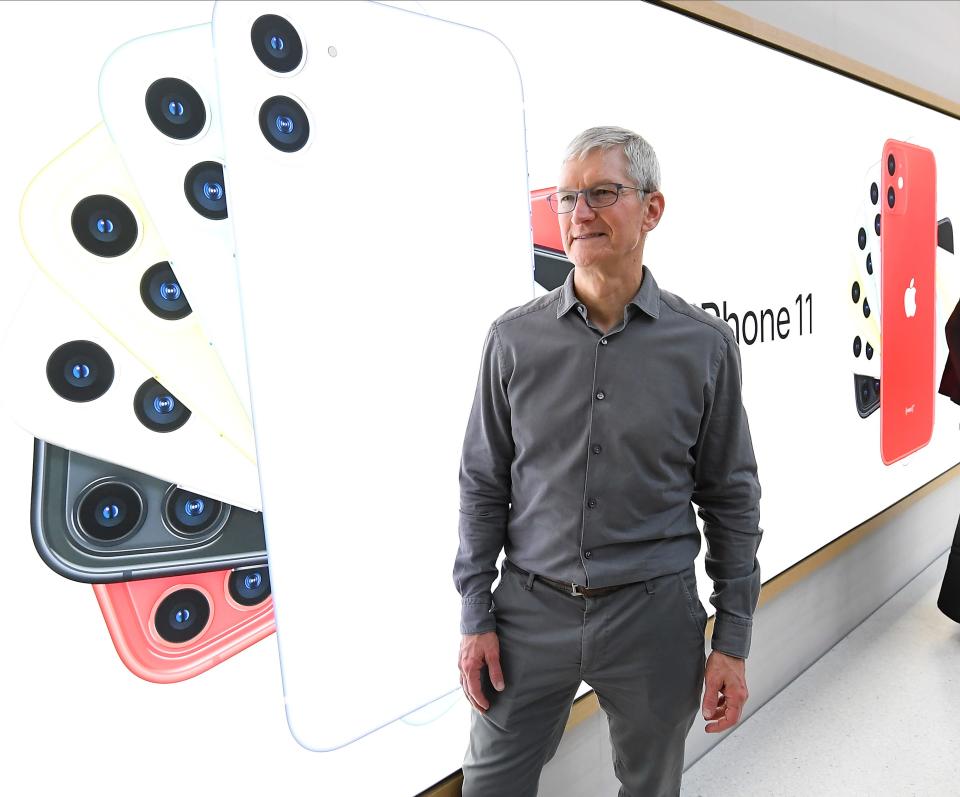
column 592, row 503
column 588, row 554
column 580, row 307
column 597, row 449
column 600, row 395
column 603, row 342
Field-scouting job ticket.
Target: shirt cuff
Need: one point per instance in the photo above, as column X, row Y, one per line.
column 477, row 618
column 731, row 635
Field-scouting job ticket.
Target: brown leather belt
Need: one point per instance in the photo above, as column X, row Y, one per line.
column 566, row 586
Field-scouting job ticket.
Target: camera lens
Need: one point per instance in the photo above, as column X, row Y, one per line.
column 104, row 226
column 856, row 346
column 175, row 108
column 869, row 352
column 866, row 308
column 191, row 514
column 80, row 371
column 855, row 292
column 876, row 385
column 864, row 393
column 158, row 409
column 182, row 615
column 109, row 511
column 161, row 292
column 204, row 187
column 284, row 124
column 891, row 164
column 276, row 43
column 249, row 587
column 874, row 193
column 862, row 238
column 869, row 264
column 891, row 198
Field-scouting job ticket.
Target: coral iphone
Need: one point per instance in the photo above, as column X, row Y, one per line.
column 908, row 241
column 171, row 629
column 342, row 123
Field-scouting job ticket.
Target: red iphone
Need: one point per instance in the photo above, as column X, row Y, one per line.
column 908, row 242
column 173, row 628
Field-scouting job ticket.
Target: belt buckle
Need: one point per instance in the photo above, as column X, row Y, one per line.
column 575, row 590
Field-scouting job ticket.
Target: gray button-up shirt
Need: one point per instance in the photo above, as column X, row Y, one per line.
column 584, row 451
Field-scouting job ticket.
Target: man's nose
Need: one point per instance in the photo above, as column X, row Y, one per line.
column 582, row 211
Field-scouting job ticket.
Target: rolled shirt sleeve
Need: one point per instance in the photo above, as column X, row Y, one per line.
column 485, row 464
column 727, row 492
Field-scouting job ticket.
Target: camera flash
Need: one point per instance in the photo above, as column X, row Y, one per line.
column 332, row 51
column 900, row 183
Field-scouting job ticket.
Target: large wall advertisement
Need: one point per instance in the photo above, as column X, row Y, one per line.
column 810, row 211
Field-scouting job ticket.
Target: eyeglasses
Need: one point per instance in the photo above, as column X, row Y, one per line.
column 600, row 196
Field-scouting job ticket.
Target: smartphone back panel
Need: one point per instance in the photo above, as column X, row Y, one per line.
column 908, row 241
column 176, row 163
column 97, row 522
column 79, row 389
column 376, row 170
column 88, row 230
column 170, row 629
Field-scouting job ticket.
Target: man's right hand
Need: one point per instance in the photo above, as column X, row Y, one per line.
column 476, row 652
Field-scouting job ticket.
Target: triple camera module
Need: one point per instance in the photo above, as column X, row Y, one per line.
column 104, row 226
column 185, row 613
column 283, row 121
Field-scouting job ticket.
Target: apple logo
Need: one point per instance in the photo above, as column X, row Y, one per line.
column 910, row 301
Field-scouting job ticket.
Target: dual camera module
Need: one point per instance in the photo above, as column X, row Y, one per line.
column 106, row 227
column 108, row 511
column 184, row 614
column 891, row 170
column 82, row 371
column 278, row 46
column 176, row 109
column 855, row 294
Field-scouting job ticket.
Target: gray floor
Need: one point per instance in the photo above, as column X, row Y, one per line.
column 878, row 714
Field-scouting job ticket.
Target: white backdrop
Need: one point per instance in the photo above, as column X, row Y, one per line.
column 763, row 159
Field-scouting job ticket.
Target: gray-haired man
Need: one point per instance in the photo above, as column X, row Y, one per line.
column 602, row 410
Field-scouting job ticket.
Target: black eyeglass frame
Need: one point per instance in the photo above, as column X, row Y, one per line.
column 551, row 198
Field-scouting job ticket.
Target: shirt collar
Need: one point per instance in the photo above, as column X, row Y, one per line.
column 646, row 299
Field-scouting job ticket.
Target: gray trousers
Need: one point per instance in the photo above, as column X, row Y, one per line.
column 641, row 648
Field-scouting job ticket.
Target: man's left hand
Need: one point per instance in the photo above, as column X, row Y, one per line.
column 724, row 692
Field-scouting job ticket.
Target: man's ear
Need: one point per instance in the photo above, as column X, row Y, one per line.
column 655, row 205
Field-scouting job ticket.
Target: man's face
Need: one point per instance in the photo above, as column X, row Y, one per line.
column 607, row 238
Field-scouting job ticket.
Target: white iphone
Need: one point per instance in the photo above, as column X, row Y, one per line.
column 158, row 97
column 375, row 166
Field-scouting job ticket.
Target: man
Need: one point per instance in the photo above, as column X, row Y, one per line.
column 602, row 410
